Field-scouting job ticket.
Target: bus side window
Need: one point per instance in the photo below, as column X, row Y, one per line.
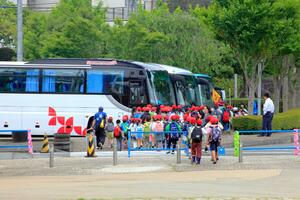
column 13, row 80
column 32, row 80
column 62, row 81
column 137, row 93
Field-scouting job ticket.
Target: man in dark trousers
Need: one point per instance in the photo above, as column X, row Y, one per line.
column 99, row 127
column 268, row 112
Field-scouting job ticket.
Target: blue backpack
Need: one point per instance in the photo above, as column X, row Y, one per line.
column 216, row 134
column 174, row 130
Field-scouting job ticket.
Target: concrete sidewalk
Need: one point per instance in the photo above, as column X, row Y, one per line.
column 104, row 165
column 150, row 178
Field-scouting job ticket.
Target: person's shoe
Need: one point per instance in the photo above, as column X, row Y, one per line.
column 260, row 135
column 193, row 160
column 217, row 158
column 268, row 135
column 172, row 152
column 111, row 146
column 215, row 162
column 168, row 152
column 198, row 161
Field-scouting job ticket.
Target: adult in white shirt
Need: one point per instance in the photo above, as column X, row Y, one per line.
column 268, row 112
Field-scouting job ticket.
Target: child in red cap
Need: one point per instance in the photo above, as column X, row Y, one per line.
column 196, row 133
column 214, row 133
column 174, row 134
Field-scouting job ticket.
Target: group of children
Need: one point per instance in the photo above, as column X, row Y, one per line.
column 161, row 128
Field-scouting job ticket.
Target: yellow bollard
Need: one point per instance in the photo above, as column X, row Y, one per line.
column 45, row 147
column 91, row 146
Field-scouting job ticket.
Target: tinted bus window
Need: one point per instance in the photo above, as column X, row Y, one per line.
column 19, row 80
column 105, row 81
column 63, row 81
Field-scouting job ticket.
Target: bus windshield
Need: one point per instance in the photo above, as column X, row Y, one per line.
column 187, row 91
column 162, row 87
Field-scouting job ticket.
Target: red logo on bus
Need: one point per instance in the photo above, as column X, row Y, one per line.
column 66, row 125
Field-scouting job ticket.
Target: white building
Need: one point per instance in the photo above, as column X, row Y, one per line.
column 115, row 8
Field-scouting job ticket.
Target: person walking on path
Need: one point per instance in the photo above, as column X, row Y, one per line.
column 214, row 133
column 98, row 125
column 118, row 134
column 268, row 112
column 196, row 133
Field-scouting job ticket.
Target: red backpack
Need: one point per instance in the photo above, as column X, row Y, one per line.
column 226, row 116
column 117, row 131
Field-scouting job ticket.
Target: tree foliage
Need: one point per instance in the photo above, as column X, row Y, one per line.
column 175, row 38
column 8, row 24
column 73, row 29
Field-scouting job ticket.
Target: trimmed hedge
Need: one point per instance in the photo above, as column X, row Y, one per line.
column 282, row 121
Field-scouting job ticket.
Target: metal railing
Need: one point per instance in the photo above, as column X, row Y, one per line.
column 239, row 149
column 178, row 148
column 29, row 145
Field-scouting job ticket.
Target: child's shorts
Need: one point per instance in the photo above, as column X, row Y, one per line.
column 110, row 135
column 139, row 135
column 213, row 146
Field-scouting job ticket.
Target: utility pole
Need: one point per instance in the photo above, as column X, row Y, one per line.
column 20, row 30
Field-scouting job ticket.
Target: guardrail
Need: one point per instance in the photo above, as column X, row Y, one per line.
column 178, row 149
column 29, row 145
column 238, row 145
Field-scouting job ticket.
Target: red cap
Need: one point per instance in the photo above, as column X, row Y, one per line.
column 149, row 105
column 230, row 106
column 201, row 107
column 199, row 122
column 209, row 118
column 214, row 120
column 221, row 103
column 177, row 117
column 173, row 117
column 188, row 119
column 132, row 119
column 166, row 117
column 185, row 116
column 168, row 109
column 139, row 109
column 125, row 118
column 146, row 109
column 159, row 117
column 179, row 107
column 193, row 120
column 154, row 109
column 193, row 108
column 174, row 106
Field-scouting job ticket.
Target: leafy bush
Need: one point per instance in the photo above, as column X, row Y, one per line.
column 282, row 121
column 239, row 101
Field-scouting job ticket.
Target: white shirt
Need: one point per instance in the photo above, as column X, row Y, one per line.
column 268, row 106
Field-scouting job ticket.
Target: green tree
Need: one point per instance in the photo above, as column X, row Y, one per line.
column 284, row 45
column 8, row 24
column 176, row 38
column 247, row 26
column 35, row 28
column 75, row 29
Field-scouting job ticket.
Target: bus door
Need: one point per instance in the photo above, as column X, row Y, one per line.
column 137, row 93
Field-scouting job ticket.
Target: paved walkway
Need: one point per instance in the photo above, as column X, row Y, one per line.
column 147, row 177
